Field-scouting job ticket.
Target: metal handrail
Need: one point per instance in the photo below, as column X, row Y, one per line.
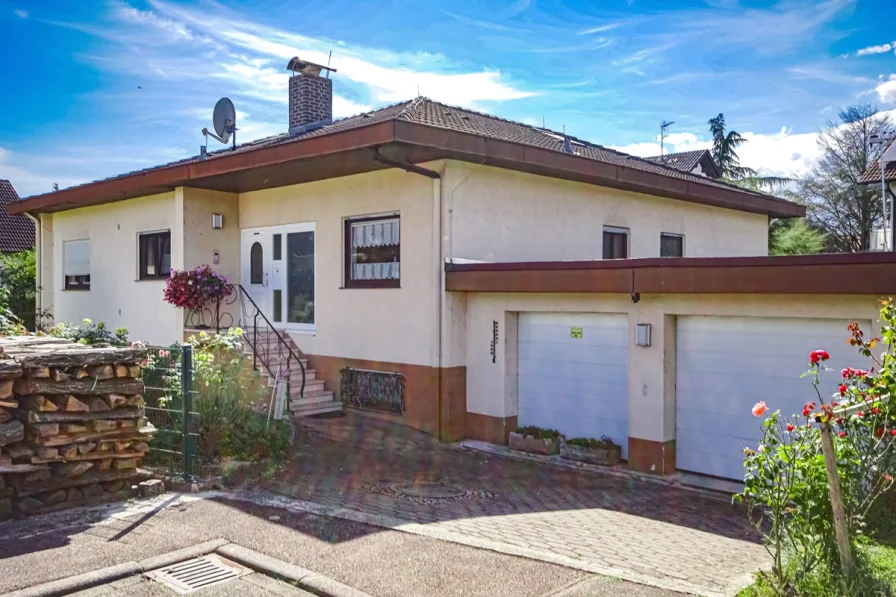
column 282, row 342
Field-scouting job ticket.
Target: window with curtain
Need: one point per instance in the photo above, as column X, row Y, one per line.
column 154, row 255
column 76, row 264
column 671, row 245
column 373, row 252
column 615, row 243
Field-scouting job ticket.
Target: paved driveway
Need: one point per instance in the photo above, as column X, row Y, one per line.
column 640, row 530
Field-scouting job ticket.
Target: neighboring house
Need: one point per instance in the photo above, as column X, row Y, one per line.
column 501, row 272
column 697, row 162
column 16, row 231
column 882, row 238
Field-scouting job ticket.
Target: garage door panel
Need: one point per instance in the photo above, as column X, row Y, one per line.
column 578, row 386
column 724, row 365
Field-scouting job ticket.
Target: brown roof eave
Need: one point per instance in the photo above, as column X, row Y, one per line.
column 167, row 178
column 861, row 273
column 528, row 158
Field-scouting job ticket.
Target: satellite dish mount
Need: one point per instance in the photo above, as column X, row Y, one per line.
column 224, row 121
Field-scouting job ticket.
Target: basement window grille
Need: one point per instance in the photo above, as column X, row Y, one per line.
column 375, row 390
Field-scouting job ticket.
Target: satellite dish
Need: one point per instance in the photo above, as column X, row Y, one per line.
column 224, row 121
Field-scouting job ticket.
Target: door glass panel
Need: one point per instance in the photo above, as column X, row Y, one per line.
column 278, row 247
column 300, row 277
column 256, row 264
column 278, row 305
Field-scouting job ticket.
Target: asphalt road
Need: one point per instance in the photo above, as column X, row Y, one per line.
column 381, row 562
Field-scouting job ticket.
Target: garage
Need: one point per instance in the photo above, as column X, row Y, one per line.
column 727, row 364
column 573, row 374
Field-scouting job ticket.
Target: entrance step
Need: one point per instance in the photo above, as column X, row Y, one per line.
column 307, row 410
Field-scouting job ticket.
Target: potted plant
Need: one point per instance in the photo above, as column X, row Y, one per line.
column 535, row 440
column 595, row 451
column 197, row 290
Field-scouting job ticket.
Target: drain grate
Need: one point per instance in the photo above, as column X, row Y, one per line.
column 192, row 575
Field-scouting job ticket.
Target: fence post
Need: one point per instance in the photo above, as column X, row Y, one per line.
column 186, row 380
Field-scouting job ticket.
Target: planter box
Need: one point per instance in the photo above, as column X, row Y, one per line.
column 527, row 443
column 606, row 456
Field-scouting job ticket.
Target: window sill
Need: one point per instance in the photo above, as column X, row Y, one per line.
column 374, row 286
column 158, row 279
column 75, row 290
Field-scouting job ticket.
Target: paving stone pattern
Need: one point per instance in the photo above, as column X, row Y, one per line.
column 613, row 522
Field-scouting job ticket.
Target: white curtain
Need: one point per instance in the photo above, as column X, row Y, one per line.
column 376, row 234
column 381, row 233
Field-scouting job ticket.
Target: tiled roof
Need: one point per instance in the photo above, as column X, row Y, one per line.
column 685, row 161
column 16, row 232
column 431, row 113
column 872, row 174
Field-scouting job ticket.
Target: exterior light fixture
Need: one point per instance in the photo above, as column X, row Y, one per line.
column 217, row 221
column 642, row 334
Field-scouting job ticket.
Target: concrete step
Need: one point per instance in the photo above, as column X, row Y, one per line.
column 313, row 385
column 312, row 397
column 317, row 409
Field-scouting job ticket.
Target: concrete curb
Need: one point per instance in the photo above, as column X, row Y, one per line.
column 72, row 584
column 264, row 564
column 304, row 579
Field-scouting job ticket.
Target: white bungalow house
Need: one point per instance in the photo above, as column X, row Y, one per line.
column 502, row 272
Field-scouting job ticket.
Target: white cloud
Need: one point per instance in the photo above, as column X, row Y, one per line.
column 22, row 14
column 881, row 49
column 780, row 154
column 886, row 90
column 599, row 29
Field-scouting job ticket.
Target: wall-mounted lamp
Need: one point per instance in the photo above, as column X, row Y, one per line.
column 217, row 221
column 642, row 334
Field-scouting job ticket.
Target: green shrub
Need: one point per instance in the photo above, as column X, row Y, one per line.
column 10, row 325
column 538, row 432
column 590, row 442
column 90, row 333
column 17, row 276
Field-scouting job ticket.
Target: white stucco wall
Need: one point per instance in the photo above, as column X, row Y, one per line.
column 397, row 325
column 490, row 389
column 502, row 215
column 115, row 296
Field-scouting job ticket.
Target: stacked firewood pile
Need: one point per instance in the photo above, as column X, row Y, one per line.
column 72, row 425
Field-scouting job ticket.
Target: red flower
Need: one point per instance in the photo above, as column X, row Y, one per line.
column 879, row 432
column 842, row 434
column 843, row 389
column 790, row 427
column 860, row 414
column 818, row 355
column 875, row 410
column 892, row 431
column 835, row 404
column 860, row 373
column 807, row 410
column 848, row 372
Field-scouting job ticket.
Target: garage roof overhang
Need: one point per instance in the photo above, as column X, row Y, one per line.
column 352, row 152
column 858, row 273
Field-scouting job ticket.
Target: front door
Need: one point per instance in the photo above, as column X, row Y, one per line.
column 278, row 273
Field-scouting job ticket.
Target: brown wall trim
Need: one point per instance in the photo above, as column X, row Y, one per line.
column 537, row 160
column 494, row 430
column 423, row 395
column 861, row 273
column 653, row 457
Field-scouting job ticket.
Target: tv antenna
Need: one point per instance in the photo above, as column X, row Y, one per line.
column 224, row 122
column 663, row 126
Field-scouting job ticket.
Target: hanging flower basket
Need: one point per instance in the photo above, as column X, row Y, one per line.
column 195, row 288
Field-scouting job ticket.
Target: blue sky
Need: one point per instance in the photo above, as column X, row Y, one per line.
column 93, row 89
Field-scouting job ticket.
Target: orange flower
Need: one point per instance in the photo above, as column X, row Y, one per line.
column 759, row 409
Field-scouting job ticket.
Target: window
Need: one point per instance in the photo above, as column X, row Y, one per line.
column 256, row 264
column 671, row 245
column 76, row 264
column 373, row 252
column 615, row 243
column 278, row 247
column 154, row 255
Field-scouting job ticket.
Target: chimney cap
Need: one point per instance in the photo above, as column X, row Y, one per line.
column 307, row 68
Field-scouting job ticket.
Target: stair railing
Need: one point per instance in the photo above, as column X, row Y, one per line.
column 263, row 350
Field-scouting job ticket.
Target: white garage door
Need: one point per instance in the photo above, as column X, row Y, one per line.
column 573, row 374
column 727, row 364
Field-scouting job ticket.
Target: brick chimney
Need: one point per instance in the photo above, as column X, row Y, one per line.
column 310, row 96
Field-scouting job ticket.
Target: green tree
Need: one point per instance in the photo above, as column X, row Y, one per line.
column 847, row 211
column 17, row 276
column 724, row 153
column 794, row 237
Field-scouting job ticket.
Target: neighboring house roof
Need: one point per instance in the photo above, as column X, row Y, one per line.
column 872, row 174
column 687, row 161
column 16, row 231
column 434, row 124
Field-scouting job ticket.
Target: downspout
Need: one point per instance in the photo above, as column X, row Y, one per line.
column 436, row 178
column 38, row 266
